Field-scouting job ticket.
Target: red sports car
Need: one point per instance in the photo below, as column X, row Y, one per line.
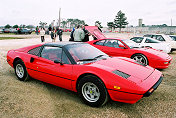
column 120, row 47
column 83, row 68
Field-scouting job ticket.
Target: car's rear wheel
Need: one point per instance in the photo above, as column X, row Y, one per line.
column 20, row 70
column 92, row 91
column 140, row 58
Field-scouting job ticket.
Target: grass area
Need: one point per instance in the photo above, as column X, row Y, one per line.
column 6, row 38
column 7, row 33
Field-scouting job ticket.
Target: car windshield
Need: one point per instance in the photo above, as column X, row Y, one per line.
column 173, row 38
column 130, row 43
column 85, row 53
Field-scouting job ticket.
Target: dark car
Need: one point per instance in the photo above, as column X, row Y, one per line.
column 24, row 31
column 6, row 30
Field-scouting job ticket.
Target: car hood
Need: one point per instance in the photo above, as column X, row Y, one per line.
column 136, row 70
column 153, row 51
column 93, row 30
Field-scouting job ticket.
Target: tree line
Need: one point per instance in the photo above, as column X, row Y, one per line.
column 18, row 26
column 120, row 21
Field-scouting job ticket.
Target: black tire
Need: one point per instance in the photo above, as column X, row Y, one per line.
column 20, row 70
column 140, row 56
column 97, row 90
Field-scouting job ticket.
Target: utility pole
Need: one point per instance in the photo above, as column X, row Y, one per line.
column 171, row 21
column 59, row 20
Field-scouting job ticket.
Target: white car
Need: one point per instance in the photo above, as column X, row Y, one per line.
column 164, row 38
column 152, row 43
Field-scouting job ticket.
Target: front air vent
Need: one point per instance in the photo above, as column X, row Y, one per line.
column 122, row 74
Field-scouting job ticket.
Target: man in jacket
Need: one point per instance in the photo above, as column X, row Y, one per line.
column 78, row 34
column 59, row 32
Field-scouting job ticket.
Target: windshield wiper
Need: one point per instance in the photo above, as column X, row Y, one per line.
column 91, row 59
column 86, row 59
column 98, row 56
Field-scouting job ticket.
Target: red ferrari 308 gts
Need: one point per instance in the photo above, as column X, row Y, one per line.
column 119, row 47
column 83, row 68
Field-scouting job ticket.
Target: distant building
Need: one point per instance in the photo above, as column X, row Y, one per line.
column 140, row 22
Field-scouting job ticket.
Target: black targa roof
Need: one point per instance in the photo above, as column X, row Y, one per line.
column 61, row 44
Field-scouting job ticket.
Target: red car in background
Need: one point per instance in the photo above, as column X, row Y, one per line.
column 66, row 30
column 83, row 68
column 119, row 47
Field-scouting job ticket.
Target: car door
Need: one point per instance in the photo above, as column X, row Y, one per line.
column 45, row 69
column 115, row 48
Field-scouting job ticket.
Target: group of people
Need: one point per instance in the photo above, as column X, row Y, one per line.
column 80, row 34
column 54, row 32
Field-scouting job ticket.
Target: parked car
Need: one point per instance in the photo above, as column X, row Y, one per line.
column 118, row 47
column 173, row 37
column 1, row 31
column 12, row 30
column 83, row 68
column 24, row 31
column 66, row 30
column 163, row 37
column 6, row 30
column 153, row 43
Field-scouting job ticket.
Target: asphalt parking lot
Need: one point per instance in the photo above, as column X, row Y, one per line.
column 38, row 99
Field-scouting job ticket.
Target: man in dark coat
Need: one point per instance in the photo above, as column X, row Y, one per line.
column 86, row 38
column 59, row 32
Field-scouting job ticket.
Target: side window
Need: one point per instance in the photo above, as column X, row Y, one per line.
column 151, row 41
column 160, row 38
column 65, row 59
column 137, row 39
column 112, row 43
column 51, row 53
column 148, row 41
column 154, row 36
column 35, row 51
column 100, row 42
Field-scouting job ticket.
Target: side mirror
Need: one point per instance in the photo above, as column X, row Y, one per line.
column 122, row 46
column 58, row 61
column 32, row 59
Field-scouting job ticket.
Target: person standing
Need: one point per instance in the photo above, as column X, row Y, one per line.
column 42, row 33
column 71, row 35
column 86, row 38
column 53, row 34
column 37, row 30
column 59, row 32
column 78, row 34
column 50, row 29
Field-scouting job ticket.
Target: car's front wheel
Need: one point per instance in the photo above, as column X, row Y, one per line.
column 140, row 58
column 92, row 91
column 20, row 70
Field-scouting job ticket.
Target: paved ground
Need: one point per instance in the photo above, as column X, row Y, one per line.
column 37, row 99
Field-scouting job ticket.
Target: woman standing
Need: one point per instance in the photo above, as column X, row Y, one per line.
column 42, row 33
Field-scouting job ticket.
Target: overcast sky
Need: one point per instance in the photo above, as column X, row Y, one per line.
column 33, row 11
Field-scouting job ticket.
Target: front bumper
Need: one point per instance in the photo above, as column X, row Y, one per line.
column 154, row 87
column 149, row 85
column 160, row 64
